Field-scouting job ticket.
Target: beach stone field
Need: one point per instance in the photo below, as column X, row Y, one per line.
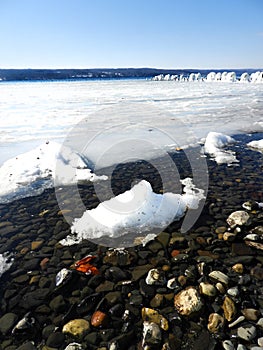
column 198, row 290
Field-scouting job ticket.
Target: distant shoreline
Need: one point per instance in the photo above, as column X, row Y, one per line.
column 103, row 74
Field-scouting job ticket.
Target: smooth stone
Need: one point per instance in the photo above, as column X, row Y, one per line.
column 241, row 347
column 7, row 322
column 99, row 319
column 155, row 277
column 228, row 345
column 106, row 286
column 238, row 268
column 115, row 274
column 233, row 292
column 215, row 322
column 157, row 300
column 48, row 330
column 77, row 328
column 260, row 341
column 152, row 315
column 251, row 314
column 26, row 346
column 257, row 272
column 229, row 308
column 55, row 340
column 220, row 288
column 219, row 277
column 237, row 218
column 152, row 335
column 57, row 304
column 113, row 297
column 237, row 321
column 247, row 332
column 207, row 289
column 188, row 301
column 140, row 271
column 73, row 346
column 229, row 236
column 260, row 322
column 92, row 338
column 36, row 245
column 163, row 238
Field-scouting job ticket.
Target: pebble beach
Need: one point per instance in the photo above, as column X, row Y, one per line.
column 196, row 290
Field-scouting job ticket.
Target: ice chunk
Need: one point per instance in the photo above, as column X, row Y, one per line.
column 214, row 145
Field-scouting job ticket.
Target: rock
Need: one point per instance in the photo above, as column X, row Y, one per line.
column 237, row 218
column 57, row 304
column 215, row 323
column 25, row 325
column 157, row 300
column 115, row 274
column 48, row 330
column 36, row 245
column 55, row 340
column 257, row 272
column 247, row 332
column 35, row 298
column 113, row 297
column 63, row 276
column 220, row 288
column 155, row 277
column 73, row 346
column 26, row 346
column 229, row 308
column 238, row 268
column 188, row 301
column 99, row 319
column 228, row 345
column 219, row 277
column 7, row 322
column 251, row 314
column 77, row 328
column 233, row 292
column 172, row 283
column 260, row 322
column 237, row 321
column 120, row 342
column 241, row 347
column 152, row 335
column 106, row 286
column 163, row 238
column 260, row 341
column 152, row 315
column 207, row 289
column 44, row 263
column 140, row 271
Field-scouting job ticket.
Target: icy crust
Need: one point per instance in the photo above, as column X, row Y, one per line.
column 32, row 172
column 215, row 144
column 5, row 263
column 139, row 209
column 256, row 144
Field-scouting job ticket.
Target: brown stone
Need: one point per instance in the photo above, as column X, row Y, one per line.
column 99, row 319
column 257, row 272
column 241, row 249
column 229, row 308
column 215, row 323
column 251, row 314
column 208, row 253
column 44, row 263
column 36, row 245
column 238, row 268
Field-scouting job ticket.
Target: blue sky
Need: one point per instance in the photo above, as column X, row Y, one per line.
column 137, row 33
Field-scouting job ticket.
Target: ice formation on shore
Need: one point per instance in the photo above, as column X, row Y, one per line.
column 256, row 144
column 215, row 144
column 256, row 77
column 139, row 209
column 30, row 173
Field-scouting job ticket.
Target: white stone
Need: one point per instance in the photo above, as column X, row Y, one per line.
column 219, row 276
column 73, row 346
column 237, row 218
column 228, row 345
column 155, row 277
column 247, row 332
column 241, row 347
column 238, row 320
column 152, row 334
column 260, row 341
column 188, row 301
column 233, row 292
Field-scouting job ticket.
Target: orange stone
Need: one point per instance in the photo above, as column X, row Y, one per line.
column 99, row 319
column 175, row 253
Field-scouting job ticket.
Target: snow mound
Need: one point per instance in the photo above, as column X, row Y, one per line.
column 32, row 172
column 215, row 144
column 256, row 144
column 138, row 210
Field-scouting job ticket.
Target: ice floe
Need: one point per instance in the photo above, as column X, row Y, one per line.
column 137, row 210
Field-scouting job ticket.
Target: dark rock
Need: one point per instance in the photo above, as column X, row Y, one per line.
column 7, row 322
column 56, row 340
column 35, row 298
column 115, row 274
column 58, row 304
column 47, row 331
column 106, row 286
column 27, row 346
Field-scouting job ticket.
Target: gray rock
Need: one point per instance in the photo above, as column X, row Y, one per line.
column 247, row 332
column 55, row 340
column 27, row 346
column 7, row 322
column 237, row 218
column 241, row 347
column 260, row 322
column 57, row 304
column 228, row 345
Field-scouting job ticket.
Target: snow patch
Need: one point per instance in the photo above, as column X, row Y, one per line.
column 32, row 172
column 214, row 146
column 256, row 144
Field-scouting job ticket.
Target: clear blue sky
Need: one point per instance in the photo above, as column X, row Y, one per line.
column 131, row 33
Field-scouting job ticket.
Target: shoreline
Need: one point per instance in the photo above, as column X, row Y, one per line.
column 32, row 228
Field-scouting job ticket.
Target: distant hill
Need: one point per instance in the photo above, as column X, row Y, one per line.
column 107, row 73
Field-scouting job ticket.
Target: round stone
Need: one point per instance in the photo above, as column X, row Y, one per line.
column 77, row 328
column 188, row 301
column 215, row 322
column 229, row 308
column 238, row 268
column 99, row 319
column 247, row 332
column 237, row 218
column 207, row 289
